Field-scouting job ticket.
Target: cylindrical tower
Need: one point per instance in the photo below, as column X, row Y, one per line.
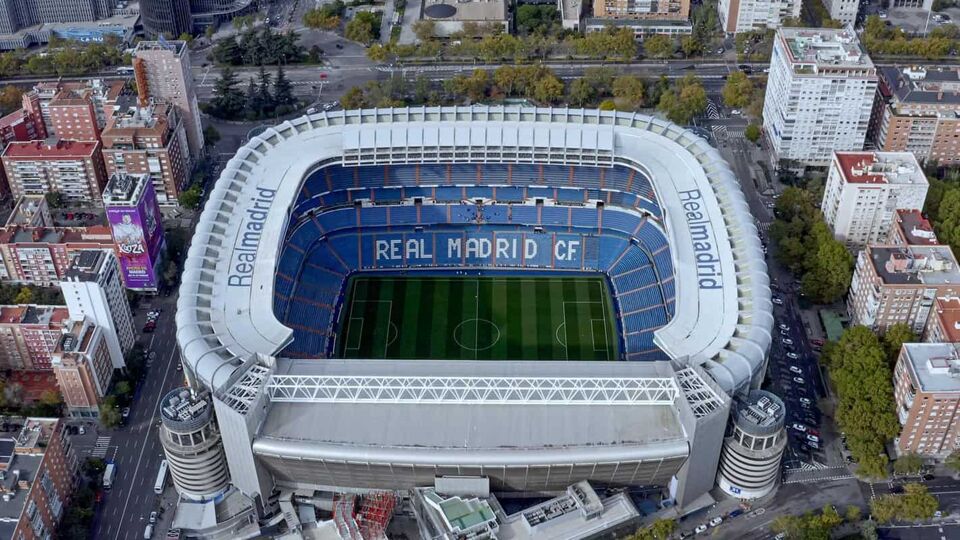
column 753, row 447
column 171, row 17
column 191, row 442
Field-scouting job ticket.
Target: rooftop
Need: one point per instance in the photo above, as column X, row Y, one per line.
column 915, row 265
column 96, row 234
column 51, row 149
column 22, row 453
column 947, row 312
column 469, row 10
column 915, row 228
column 760, row 410
column 30, row 210
column 175, row 46
column 880, row 168
column 824, row 47
column 49, row 316
column 935, row 366
column 124, row 189
column 922, row 85
column 86, row 265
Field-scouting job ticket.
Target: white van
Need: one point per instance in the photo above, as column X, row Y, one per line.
column 148, row 532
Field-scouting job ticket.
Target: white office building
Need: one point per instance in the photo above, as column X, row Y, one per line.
column 844, row 11
column 746, row 15
column 864, row 191
column 819, row 94
column 92, row 288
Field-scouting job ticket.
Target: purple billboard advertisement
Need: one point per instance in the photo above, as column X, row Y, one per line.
column 138, row 235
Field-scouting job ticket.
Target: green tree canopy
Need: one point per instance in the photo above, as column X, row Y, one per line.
column 659, row 46
column 738, row 90
column 752, row 132
column 363, row 28
column 915, row 503
column 630, row 89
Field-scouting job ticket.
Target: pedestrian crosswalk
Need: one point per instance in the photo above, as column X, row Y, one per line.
column 713, row 112
column 101, row 447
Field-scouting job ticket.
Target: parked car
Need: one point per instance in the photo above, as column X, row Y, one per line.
column 805, row 401
column 793, row 356
column 125, row 413
column 812, row 438
column 153, row 516
column 799, row 427
column 700, row 528
column 735, row 513
column 716, row 521
column 784, row 327
column 817, row 342
column 786, row 341
column 777, row 300
column 795, row 369
column 798, row 380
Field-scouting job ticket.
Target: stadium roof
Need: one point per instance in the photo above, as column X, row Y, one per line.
column 723, row 310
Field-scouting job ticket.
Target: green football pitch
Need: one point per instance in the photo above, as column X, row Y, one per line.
column 478, row 318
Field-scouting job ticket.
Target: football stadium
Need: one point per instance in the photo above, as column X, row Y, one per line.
column 381, row 299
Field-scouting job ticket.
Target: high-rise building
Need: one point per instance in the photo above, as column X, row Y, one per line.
column 171, row 17
column 191, row 443
column 149, row 140
column 865, row 189
column 137, row 229
column 926, row 388
column 746, row 15
column 753, row 446
column 910, row 228
column 919, row 112
column 162, row 70
column 92, row 288
column 943, row 324
column 898, row 284
column 28, row 336
column 73, row 116
column 819, row 94
column 83, row 364
column 17, row 14
column 72, row 168
column 103, row 96
column 39, row 469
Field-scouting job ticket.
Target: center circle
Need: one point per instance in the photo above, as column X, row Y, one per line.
column 476, row 334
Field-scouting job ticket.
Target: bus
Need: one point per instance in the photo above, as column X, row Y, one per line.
column 161, row 478
column 108, row 475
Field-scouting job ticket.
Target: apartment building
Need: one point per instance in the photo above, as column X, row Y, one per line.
column 75, row 169
column 93, row 289
column 746, row 15
column 629, row 9
column 919, row 112
column 28, row 336
column 73, row 116
column 898, row 284
column 103, row 95
column 910, row 228
column 42, row 255
column 25, row 123
column 162, row 72
column 39, row 467
column 149, row 140
column 926, row 387
column 865, row 189
column 943, row 324
column 83, row 364
column 819, row 95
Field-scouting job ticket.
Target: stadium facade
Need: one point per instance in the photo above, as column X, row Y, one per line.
column 372, row 190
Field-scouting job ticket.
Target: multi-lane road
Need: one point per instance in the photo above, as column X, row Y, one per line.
column 125, row 509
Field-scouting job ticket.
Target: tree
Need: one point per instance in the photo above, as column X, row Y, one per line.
column 353, row 99
column 10, row 99
column 264, row 98
column 549, row 89
column 210, row 136
column 752, row 133
column 953, row 461
column 109, row 413
column 378, row 53
column 630, row 89
column 915, row 503
column 54, row 199
column 425, row 29
column 830, row 269
column 283, row 90
column 852, row 514
column 186, row 36
column 738, row 90
column 209, row 32
column 608, row 105
column 364, row 28
column 908, row 464
column 51, row 398
column 252, row 100
column 321, row 19
column 25, row 296
column 810, row 526
column 227, row 99
column 685, row 100
column 190, row 198
column 581, row 92
column 659, row 46
column 893, row 340
column 868, row 529
column 691, row 46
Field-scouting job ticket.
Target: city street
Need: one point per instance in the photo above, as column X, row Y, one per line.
column 125, row 509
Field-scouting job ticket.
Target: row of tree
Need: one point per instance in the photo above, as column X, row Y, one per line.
column 942, row 207
column 859, row 365
column 890, row 40
column 259, row 47
column 30, row 294
column 265, row 96
column 915, row 503
column 679, row 101
column 66, row 58
column 78, row 516
column 812, row 525
column 661, row 529
column 807, row 248
column 325, row 17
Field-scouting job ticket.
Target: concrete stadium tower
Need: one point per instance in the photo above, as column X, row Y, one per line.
column 191, row 442
column 750, row 462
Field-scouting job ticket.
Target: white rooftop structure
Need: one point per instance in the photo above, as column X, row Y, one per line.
column 936, row 366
